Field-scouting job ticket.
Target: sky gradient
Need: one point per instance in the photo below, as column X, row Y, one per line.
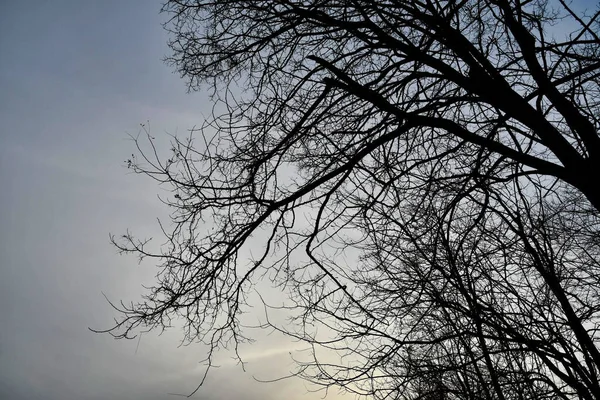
column 76, row 77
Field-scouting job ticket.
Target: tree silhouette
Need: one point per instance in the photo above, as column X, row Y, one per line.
column 422, row 176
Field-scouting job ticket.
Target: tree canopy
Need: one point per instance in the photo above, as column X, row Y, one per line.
column 422, row 176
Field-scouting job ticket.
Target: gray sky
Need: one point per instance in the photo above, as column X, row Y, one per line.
column 75, row 78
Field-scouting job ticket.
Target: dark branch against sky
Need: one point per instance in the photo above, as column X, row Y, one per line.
column 75, row 79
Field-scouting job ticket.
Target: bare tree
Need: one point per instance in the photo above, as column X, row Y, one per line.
column 423, row 177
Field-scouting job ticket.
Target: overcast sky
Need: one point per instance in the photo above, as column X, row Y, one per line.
column 75, row 78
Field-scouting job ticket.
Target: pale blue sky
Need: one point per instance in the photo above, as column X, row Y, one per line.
column 75, row 78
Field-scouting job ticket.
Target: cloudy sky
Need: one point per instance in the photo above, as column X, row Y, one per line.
column 76, row 77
